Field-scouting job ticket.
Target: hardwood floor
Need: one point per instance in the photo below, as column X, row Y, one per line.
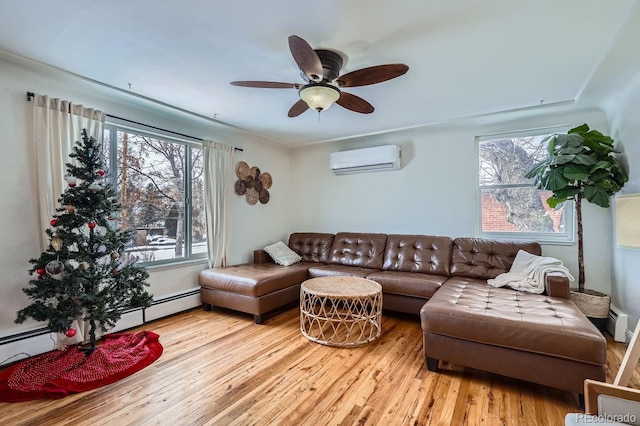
column 219, row 368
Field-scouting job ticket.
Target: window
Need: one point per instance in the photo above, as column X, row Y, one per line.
column 509, row 206
column 160, row 184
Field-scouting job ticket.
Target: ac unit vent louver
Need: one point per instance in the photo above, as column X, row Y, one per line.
column 379, row 158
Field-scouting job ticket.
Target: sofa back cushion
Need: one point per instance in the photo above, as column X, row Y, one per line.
column 484, row 258
column 312, row 246
column 418, row 253
column 358, row 249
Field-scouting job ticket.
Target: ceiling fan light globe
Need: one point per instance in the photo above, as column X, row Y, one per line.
column 319, row 97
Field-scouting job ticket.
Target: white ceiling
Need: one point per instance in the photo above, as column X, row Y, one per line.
column 466, row 57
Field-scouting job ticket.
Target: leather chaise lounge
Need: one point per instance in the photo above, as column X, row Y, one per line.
column 541, row 338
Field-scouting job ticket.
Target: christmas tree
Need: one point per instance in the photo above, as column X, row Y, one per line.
column 85, row 273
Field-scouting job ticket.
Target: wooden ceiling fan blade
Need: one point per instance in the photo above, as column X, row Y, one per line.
column 354, row 103
column 298, row 108
column 372, row 75
column 306, row 58
column 266, row 84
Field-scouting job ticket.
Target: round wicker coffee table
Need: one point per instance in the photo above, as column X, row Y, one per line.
column 340, row 311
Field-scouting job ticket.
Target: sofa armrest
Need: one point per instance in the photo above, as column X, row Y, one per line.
column 261, row 256
column 556, row 284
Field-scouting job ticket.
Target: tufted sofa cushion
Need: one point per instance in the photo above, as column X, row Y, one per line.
column 470, row 310
column 312, row 246
column 358, row 249
column 418, row 253
column 407, row 284
column 484, row 258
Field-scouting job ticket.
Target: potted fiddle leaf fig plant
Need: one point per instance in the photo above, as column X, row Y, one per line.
column 581, row 166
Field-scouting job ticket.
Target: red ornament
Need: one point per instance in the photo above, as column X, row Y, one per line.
column 115, row 271
column 72, row 185
column 100, row 172
column 92, row 225
column 70, row 332
column 41, row 271
column 112, row 218
column 54, row 222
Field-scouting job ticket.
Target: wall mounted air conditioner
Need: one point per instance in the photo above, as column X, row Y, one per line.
column 379, row 158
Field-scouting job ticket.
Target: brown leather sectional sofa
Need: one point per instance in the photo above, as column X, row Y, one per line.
column 539, row 338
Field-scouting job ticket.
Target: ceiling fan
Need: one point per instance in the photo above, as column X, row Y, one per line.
column 321, row 70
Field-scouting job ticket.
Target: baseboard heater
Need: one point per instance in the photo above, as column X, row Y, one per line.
column 33, row 342
column 617, row 324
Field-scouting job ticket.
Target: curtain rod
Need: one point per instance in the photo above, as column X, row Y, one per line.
column 30, row 96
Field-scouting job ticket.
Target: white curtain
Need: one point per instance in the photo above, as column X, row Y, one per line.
column 218, row 184
column 58, row 125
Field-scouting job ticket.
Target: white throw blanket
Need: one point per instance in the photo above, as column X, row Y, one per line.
column 527, row 272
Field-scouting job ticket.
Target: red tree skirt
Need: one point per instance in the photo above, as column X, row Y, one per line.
column 58, row 373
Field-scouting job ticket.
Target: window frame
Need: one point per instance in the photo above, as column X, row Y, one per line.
column 115, row 125
column 567, row 237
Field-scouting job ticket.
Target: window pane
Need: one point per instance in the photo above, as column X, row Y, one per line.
column 520, row 210
column 198, row 229
column 151, row 185
column 106, row 149
column 505, row 161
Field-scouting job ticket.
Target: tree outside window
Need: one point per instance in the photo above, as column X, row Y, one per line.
column 161, row 189
column 509, row 205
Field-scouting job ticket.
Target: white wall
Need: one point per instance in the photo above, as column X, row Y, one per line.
column 253, row 226
column 435, row 192
column 625, row 125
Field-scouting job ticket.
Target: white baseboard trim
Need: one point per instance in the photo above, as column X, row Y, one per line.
column 129, row 320
column 26, row 344
column 629, row 335
column 173, row 304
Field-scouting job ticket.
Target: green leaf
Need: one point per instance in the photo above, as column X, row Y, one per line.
column 563, row 159
column 619, row 170
column 536, row 169
column 570, row 150
column 551, row 144
column 567, row 193
column 568, row 141
column 599, row 175
column 596, row 136
column 575, row 171
column 602, row 164
column 555, row 180
column 584, row 159
column 580, row 129
column 555, row 202
column 604, row 184
column 597, row 196
column 599, row 148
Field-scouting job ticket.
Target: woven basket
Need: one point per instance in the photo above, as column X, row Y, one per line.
column 242, row 170
column 592, row 303
column 252, row 196
column 266, row 180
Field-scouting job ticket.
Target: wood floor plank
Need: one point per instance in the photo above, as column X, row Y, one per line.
column 220, row 368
